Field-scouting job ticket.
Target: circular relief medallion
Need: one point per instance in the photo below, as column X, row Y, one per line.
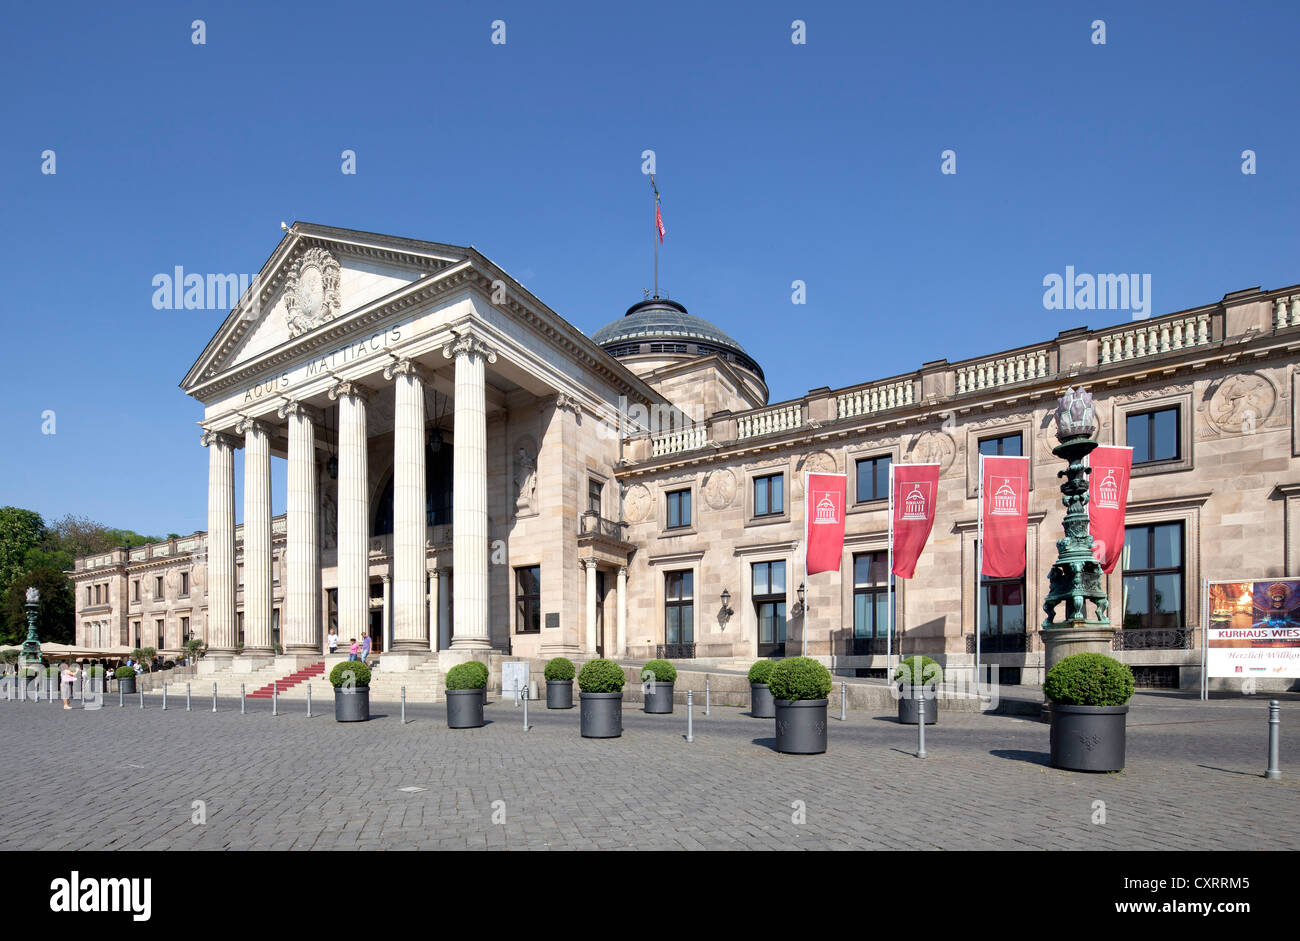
column 636, row 503
column 1242, row 403
column 934, row 447
column 819, row 462
column 720, row 488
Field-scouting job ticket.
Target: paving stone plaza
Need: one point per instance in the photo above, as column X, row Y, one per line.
column 126, row 778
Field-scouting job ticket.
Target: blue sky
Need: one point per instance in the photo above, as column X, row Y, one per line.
column 777, row 162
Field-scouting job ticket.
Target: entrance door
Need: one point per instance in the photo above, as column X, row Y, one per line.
column 769, row 607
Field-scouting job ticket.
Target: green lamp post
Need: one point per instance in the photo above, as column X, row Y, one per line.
column 31, row 652
column 1075, row 578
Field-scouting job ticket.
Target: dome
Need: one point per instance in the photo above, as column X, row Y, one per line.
column 659, row 326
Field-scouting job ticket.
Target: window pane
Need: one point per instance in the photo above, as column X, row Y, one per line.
column 778, row 578
column 1166, row 601
column 779, row 617
column 862, row 570
column 1136, row 545
column 778, row 493
column 882, row 613
column 688, row 624
column 882, row 477
column 688, row 585
column 1136, row 609
column 686, row 507
column 760, row 578
column 766, row 627
column 861, row 614
column 760, row 496
column 674, row 511
column 866, row 481
column 1168, row 546
column 1165, row 435
column 1135, row 429
column 672, row 624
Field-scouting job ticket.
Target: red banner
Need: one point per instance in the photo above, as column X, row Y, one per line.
column 1004, row 486
column 1107, row 501
column 824, row 524
column 913, row 497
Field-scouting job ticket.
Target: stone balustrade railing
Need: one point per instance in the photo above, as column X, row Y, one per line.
column 1148, row 339
column 1286, row 311
column 876, row 398
column 1003, row 371
column 769, row 421
column 676, row 442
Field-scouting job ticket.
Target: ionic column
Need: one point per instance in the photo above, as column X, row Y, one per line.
column 621, row 650
column 257, row 536
column 410, row 628
column 469, row 498
column 302, row 594
column 386, row 621
column 353, row 541
column 591, row 605
column 432, row 602
column 221, row 545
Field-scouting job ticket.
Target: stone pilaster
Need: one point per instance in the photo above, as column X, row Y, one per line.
column 302, row 593
column 354, row 512
column 410, row 628
column 469, row 485
column 221, row 546
column 257, row 537
column 621, row 649
column 591, row 606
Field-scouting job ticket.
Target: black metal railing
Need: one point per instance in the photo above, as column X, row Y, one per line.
column 1001, row 643
column 1158, row 638
column 867, row 646
column 674, row 651
column 592, row 524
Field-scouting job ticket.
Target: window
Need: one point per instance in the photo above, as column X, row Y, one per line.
column 160, row 628
column 769, row 495
column 185, row 584
column 595, row 493
column 158, row 586
column 528, row 599
column 679, row 509
column 873, row 478
column 90, row 594
column 239, row 629
column 135, row 590
column 1003, row 446
column 679, row 607
column 1002, row 604
column 1153, row 436
column 96, row 594
column 870, row 595
column 135, row 634
column 769, row 607
column 185, row 631
column 1153, row 576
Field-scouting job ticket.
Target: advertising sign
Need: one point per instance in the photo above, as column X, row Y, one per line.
column 1254, row 629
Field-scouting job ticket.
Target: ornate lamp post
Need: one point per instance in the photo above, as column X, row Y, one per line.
column 1076, row 576
column 31, row 652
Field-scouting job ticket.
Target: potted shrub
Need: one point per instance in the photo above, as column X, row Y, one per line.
column 1089, row 693
column 559, row 674
column 125, row 677
column 761, row 704
column 351, row 682
column 482, row 669
column 601, row 691
column 657, row 678
column 918, row 676
column 465, row 682
column 800, row 686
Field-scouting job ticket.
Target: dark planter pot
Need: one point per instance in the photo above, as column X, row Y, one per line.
column 761, row 703
column 1088, row 738
column 602, row 715
column 909, row 710
column 659, row 699
column 351, row 705
column 127, row 685
column 800, row 726
column 464, row 708
column 559, row 694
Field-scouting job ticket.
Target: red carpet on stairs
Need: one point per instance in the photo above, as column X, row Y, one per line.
column 293, row 679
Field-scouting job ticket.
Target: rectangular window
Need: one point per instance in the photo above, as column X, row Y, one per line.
column 1002, row 604
column 1153, row 576
column 1154, row 436
column 185, row 631
column 90, row 595
column 769, row 607
column 679, row 607
column 769, row 495
column 158, row 587
column 873, row 478
column 870, row 595
column 185, row 584
column 1003, row 446
column 135, row 590
column 679, row 509
column 160, row 631
column 135, row 634
column 239, row 629
column 96, row 594
column 528, row 599
column 595, row 494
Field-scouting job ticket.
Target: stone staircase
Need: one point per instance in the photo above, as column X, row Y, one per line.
column 282, row 685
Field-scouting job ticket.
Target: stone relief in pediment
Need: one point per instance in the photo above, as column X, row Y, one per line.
column 311, row 291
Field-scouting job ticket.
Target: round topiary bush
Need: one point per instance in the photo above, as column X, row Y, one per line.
column 662, row 670
column 1089, row 679
column 601, row 676
column 761, row 671
column 559, row 669
column 469, row 675
column 929, row 672
column 122, row 673
column 350, row 670
column 798, row 678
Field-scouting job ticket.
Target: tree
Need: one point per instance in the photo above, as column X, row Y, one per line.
column 21, row 531
column 56, row 616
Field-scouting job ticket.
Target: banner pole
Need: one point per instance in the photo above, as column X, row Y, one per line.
column 1205, row 636
column 889, row 625
column 803, row 614
column 979, row 568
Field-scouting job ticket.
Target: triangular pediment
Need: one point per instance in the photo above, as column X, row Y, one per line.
column 316, row 276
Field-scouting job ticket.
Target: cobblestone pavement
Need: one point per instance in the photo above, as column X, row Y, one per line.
column 127, row 778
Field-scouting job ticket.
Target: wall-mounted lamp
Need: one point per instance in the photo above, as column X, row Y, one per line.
column 725, row 614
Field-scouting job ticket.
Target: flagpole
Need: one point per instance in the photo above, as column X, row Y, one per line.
column 803, row 614
column 889, row 625
column 654, row 230
column 979, row 572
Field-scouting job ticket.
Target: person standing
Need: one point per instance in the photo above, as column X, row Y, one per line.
column 68, row 678
column 333, row 640
column 352, row 651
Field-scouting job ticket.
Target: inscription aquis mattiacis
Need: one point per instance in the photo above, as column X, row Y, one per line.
column 323, row 365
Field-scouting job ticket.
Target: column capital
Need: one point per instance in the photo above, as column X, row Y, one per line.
column 590, row 564
column 294, row 407
column 405, row 366
column 469, row 344
column 211, row 437
column 247, row 425
column 622, row 571
column 569, row 404
column 349, row 388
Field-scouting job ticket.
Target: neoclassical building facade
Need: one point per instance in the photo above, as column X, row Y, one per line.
column 468, row 473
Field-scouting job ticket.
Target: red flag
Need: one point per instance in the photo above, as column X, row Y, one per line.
column 915, row 488
column 824, row 522
column 1107, row 501
column 1004, row 487
column 659, row 223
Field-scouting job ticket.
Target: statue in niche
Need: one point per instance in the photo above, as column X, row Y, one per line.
column 525, row 481
column 329, row 515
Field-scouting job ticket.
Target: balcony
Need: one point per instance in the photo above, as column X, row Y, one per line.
column 1166, row 638
column 593, row 524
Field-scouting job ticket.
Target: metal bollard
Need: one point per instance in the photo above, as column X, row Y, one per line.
column 690, row 715
column 83, row 690
column 241, row 700
column 525, row 711
column 141, row 692
column 214, row 697
column 187, row 697
column 844, row 701
column 707, row 696
column 164, row 697
column 275, row 698
column 920, row 724
column 119, row 694
column 308, row 700
column 1274, row 730
column 403, row 705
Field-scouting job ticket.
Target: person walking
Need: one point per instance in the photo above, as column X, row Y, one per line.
column 333, row 640
column 68, row 678
column 352, row 651
column 365, row 648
